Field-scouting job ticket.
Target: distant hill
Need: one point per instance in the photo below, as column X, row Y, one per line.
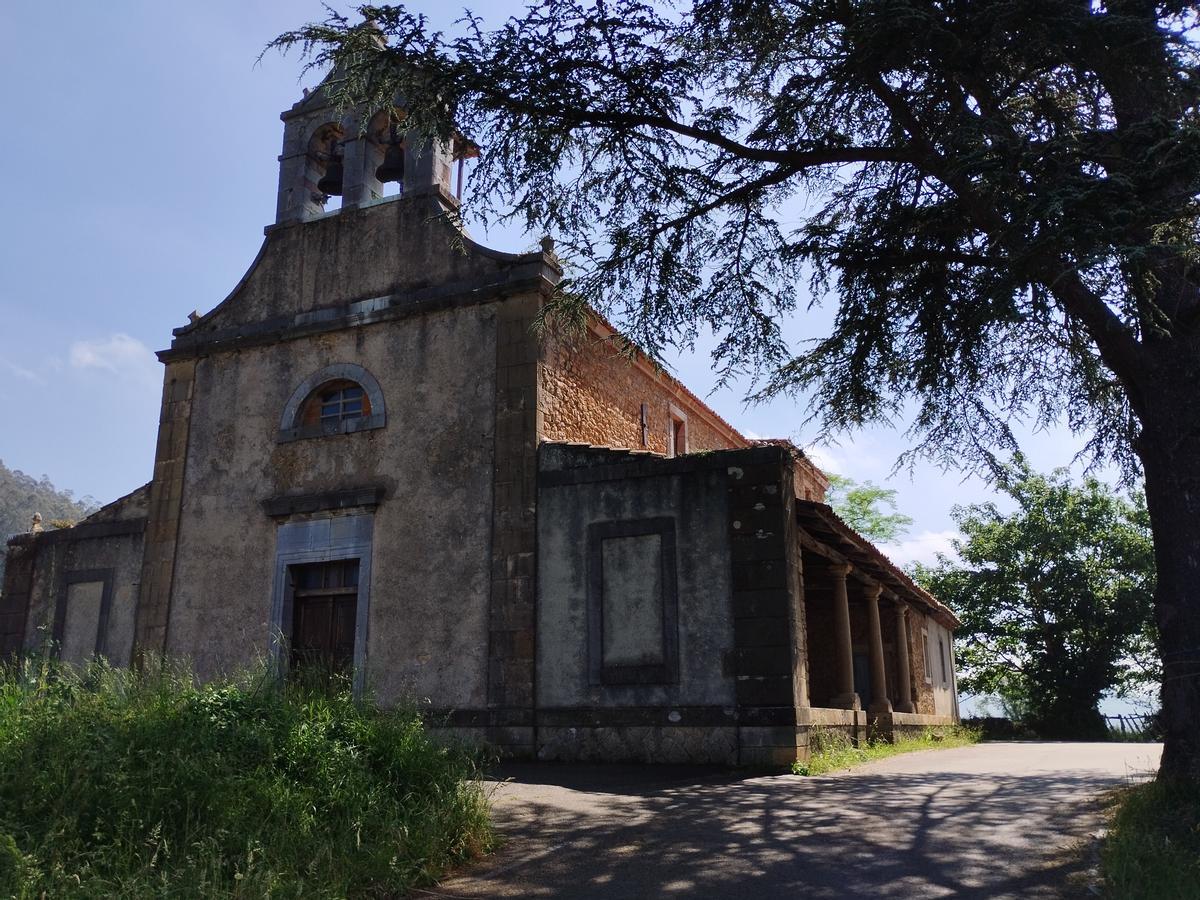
column 22, row 495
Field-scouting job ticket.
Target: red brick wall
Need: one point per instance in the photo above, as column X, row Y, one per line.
column 591, row 393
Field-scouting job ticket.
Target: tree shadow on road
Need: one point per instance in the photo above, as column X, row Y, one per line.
column 613, row 832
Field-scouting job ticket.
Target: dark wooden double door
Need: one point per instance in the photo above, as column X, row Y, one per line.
column 324, row 607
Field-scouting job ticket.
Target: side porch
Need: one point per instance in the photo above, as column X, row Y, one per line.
column 705, row 609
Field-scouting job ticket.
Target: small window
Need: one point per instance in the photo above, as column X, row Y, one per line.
column 926, row 655
column 343, row 398
column 677, row 438
column 942, row 656
column 342, row 403
column 336, row 402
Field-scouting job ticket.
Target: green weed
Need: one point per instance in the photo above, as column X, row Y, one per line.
column 120, row 784
column 1152, row 850
column 831, row 750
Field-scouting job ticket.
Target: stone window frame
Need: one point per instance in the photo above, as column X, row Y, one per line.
column 676, row 415
column 84, row 576
column 326, row 538
column 291, row 428
column 666, row 672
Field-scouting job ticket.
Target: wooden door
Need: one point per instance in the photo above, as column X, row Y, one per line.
column 324, row 607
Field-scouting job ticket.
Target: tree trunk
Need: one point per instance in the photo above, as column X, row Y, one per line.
column 1169, row 448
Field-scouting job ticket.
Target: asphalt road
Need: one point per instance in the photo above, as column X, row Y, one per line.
column 993, row 820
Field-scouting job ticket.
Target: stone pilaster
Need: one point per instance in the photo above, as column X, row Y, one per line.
column 765, row 607
column 512, row 613
column 165, row 503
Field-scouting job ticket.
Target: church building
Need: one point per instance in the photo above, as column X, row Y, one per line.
column 370, row 458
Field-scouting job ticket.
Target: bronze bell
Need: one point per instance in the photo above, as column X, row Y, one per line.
column 392, row 168
column 331, row 181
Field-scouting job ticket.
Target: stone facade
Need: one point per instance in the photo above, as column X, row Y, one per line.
column 369, row 455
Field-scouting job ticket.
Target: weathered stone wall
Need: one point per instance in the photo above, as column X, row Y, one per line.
column 589, row 392
column 99, row 559
column 712, row 745
column 433, row 462
column 165, row 496
column 397, row 247
column 114, row 557
column 15, row 593
column 942, row 665
column 738, row 623
column 696, row 502
column 923, row 699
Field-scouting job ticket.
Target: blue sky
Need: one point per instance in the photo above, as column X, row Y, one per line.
column 140, row 169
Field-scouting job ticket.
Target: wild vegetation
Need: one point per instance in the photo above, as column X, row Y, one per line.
column 1055, row 597
column 832, row 750
column 118, row 784
column 1152, row 850
column 1002, row 199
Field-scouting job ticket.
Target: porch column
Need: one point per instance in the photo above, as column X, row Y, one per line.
column 904, row 702
column 846, row 697
column 879, row 699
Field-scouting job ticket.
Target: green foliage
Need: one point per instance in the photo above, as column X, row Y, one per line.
column 1056, row 599
column 21, row 496
column 1152, row 850
column 832, row 750
column 118, row 784
column 861, row 507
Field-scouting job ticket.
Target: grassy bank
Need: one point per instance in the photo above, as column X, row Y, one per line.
column 114, row 784
column 832, row 750
column 1152, row 849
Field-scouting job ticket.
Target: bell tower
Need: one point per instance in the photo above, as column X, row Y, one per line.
column 327, row 154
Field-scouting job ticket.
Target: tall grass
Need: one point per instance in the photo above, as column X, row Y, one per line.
column 118, row 784
column 1152, row 850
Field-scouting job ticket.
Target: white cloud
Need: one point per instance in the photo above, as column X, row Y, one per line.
column 923, row 548
column 752, row 435
column 24, row 373
column 119, row 353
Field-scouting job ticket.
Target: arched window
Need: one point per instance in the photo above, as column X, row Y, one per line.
column 335, row 402
column 338, row 399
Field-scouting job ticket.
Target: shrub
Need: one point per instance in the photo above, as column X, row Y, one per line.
column 114, row 783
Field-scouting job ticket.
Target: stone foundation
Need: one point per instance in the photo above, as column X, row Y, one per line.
column 901, row 725
column 679, row 745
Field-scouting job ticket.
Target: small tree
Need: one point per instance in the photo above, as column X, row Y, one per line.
column 862, row 508
column 1056, row 599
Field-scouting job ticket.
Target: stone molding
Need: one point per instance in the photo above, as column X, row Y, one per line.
column 354, row 498
column 82, row 576
column 454, row 295
column 82, row 532
column 666, row 672
column 322, row 540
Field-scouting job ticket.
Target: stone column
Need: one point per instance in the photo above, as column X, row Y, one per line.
column 846, row 697
column 879, row 699
column 904, row 702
